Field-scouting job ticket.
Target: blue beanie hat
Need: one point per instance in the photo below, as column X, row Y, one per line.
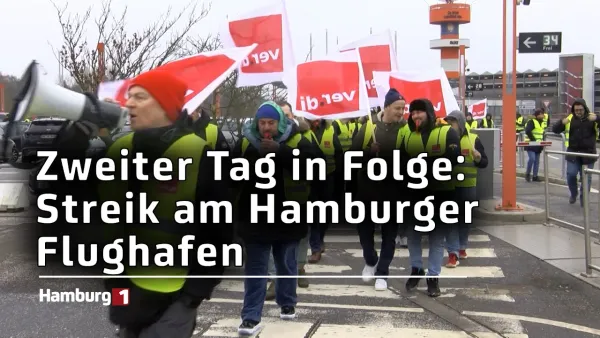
column 392, row 96
column 267, row 111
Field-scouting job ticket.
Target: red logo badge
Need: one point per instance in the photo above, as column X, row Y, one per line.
column 169, row 187
column 327, row 144
column 119, row 297
column 465, row 152
column 436, row 148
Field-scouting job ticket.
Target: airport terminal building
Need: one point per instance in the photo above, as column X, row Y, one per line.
column 552, row 89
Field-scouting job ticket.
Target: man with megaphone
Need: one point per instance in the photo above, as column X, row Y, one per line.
column 160, row 307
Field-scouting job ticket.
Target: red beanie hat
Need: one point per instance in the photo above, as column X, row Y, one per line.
column 168, row 90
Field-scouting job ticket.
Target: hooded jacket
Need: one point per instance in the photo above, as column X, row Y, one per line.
column 262, row 231
column 200, row 125
column 582, row 133
column 460, row 118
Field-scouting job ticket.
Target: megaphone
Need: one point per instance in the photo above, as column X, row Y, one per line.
column 40, row 97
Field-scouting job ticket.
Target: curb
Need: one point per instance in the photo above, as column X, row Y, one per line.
column 554, row 180
column 487, row 212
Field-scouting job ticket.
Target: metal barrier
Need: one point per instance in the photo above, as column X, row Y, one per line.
column 589, row 266
column 585, row 192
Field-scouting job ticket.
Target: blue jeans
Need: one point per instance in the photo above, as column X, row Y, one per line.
column 436, row 249
column 534, row 162
column 255, row 289
column 457, row 237
column 574, row 169
column 300, row 258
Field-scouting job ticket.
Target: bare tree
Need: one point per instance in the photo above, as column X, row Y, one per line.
column 126, row 54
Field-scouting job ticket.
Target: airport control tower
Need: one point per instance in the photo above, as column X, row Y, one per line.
column 450, row 15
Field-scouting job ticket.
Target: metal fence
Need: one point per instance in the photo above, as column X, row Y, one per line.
column 589, row 266
column 585, row 200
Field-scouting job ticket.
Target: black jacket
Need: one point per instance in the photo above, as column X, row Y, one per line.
column 582, row 134
column 146, row 306
column 452, row 150
column 262, row 231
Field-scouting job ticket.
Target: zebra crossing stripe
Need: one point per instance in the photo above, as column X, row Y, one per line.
column 355, row 239
column 403, row 253
column 276, row 328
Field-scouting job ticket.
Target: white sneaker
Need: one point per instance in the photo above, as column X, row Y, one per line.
column 368, row 273
column 380, row 284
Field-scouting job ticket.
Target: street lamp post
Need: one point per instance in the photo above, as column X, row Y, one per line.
column 509, row 106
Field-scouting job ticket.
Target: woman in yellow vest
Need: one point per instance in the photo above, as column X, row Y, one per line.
column 437, row 141
column 270, row 132
column 474, row 156
column 534, row 132
column 380, row 140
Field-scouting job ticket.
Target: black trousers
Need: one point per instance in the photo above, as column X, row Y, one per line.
column 366, row 233
column 178, row 321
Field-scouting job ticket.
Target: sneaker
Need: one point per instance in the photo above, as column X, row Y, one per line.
column 452, row 261
column 248, row 328
column 433, row 287
column 462, row 254
column 380, row 284
column 402, row 242
column 270, row 291
column 287, row 313
column 368, row 273
column 302, row 282
column 413, row 282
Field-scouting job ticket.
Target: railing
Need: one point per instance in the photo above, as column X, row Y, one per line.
column 549, row 218
column 589, row 266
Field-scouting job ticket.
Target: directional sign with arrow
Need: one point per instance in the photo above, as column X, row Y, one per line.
column 540, row 42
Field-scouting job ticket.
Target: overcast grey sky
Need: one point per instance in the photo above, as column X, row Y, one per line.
column 30, row 27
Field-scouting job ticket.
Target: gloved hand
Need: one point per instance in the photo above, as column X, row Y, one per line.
column 77, row 135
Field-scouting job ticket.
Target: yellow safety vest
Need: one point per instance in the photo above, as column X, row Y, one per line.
column 485, row 123
column 568, row 127
column 435, row 147
column 467, row 168
column 371, row 129
column 327, row 147
column 298, row 191
column 538, row 131
column 189, row 146
column 545, row 122
column 520, row 127
column 345, row 135
column 472, row 124
column 212, row 133
column 352, row 126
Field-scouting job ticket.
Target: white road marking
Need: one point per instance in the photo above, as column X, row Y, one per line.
column 470, row 271
column 330, row 269
column 403, row 253
column 550, row 322
column 361, row 331
column 354, row 239
column 474, row 293
column 495, row 335
column 271, row 328
column 330, row 306
column 592, row 190
column 315, row 289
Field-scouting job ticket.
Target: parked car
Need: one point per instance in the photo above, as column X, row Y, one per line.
column 12, row 153
column 18, row 129
column 40, row 136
